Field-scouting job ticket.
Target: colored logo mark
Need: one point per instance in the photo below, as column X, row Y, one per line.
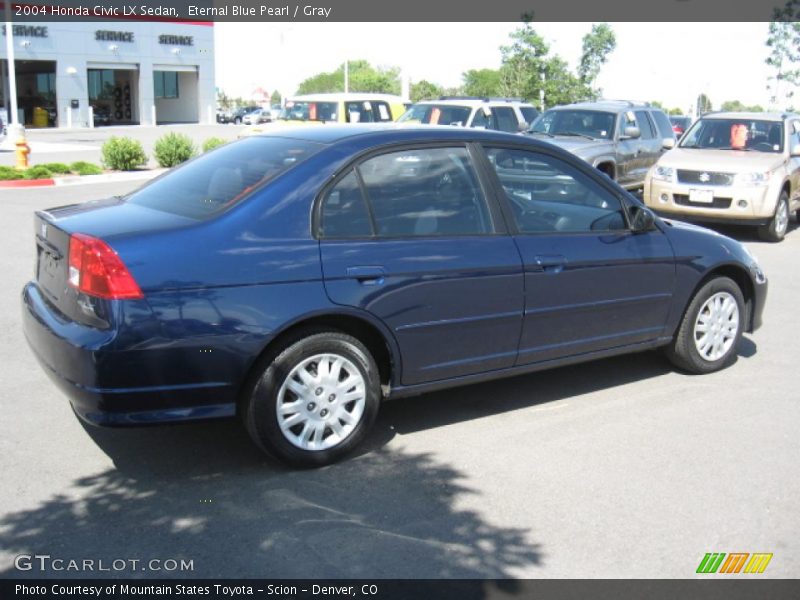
column 736, row 562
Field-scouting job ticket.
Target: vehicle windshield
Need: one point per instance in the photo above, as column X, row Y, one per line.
column 594, row 124
column 735, row 134
column 309, row 111
column 223, row 177
column 437, row 114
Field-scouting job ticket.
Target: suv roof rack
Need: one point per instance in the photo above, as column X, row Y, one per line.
column 630, row 103
column 483, row 98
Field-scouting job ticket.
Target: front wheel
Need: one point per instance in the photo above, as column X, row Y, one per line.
column 775, row 230
column 711, row 328
column 315, row 401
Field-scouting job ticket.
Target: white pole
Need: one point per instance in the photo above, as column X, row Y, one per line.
column 69, row 117
column 12, row 72
column 91, row 116
column 153, row 113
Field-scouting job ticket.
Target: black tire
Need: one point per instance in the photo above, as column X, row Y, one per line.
column 260, row 410
column 683, row 351
column 775, row 230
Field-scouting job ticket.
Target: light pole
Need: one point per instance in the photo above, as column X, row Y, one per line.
column 14, row 129
column 541, row 93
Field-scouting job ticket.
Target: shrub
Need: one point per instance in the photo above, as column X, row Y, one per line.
column 213, row 142
column 123, row 154
column 173, row 149
column 37, row 172
column 59, row 168
column 9, row 173
column 82, row 167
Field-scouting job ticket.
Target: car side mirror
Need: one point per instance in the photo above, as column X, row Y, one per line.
column 642, row 219
column 668, row 143
column 523, row 126
column 795, row 150
column 631, row 132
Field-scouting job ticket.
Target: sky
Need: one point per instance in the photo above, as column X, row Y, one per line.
column 668, row 62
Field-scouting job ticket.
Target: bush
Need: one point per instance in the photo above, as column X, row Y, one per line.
column 82, row 167
column 123, row 154
column 59, row 168
column 37, row 172
column 9, row 173
column 173, row 149
column 213, row 142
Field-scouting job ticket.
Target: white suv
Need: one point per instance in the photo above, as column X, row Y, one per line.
column 503, row 114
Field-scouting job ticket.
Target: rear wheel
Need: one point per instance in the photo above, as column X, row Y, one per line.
column 315, row 401
column 775, row 230
column 711, row 328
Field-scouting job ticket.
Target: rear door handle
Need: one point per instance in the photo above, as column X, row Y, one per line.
column 548, row 263
column 367, row 275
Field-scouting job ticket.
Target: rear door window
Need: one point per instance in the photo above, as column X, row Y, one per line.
column 220, row 179
column 645, row 127
column 425, row 192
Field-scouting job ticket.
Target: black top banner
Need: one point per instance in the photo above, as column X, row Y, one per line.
column 406, row 10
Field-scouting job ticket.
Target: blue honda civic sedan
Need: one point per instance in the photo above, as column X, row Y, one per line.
column 299, row 279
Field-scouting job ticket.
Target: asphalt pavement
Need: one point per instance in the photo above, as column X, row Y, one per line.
column 621, row 468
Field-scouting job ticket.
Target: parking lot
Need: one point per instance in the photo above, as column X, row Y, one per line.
column 621, row 468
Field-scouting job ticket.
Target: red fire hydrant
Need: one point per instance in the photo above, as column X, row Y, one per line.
column 22, row 152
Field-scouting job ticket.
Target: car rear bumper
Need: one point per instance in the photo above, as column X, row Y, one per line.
column 73, row 355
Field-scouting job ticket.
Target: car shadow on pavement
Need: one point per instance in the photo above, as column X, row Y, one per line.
column 203, row 493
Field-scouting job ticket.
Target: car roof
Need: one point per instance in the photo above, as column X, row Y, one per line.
column 607, row 105
column 345, row 96
column 379, row 133
column 469, row 101
column 755, row 116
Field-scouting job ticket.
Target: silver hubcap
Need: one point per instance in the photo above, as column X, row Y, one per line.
column 716, row 326
column 321, row 402
column 781, row 218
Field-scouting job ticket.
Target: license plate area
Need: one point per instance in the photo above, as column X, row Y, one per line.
column 701, row 196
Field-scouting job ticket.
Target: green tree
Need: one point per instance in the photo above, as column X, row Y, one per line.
column 675, row 111
column 223, row 100
column 703, row 104
column 362, row 76
column 527, row 69
column 482, row 82
column 425, row 90
column 275, row 98
column 737, row 106
column 597, row 45
column 657, row 104
column 783, row 41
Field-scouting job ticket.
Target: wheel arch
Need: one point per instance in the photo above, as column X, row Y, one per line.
column 606, row 165
column 368, row 330
column 741, row 277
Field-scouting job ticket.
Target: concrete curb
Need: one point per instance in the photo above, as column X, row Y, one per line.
column 82, row 179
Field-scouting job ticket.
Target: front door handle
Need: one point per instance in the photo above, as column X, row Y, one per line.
column 367, row 275
column 548, row 263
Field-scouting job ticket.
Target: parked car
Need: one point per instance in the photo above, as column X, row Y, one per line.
column 620, row 138
column 741, row 168
column 503, row 114
column 299, row 278
column 224, row 116
column 352, row 107
column 260, row 115
column 680, row 124
column 238, row 115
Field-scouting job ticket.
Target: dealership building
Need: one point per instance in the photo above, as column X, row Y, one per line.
column 128, row 71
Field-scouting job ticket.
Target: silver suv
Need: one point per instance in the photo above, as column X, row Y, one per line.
column 502, row 114
column 622, row 139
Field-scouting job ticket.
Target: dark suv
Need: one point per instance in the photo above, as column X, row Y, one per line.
column 620, row 138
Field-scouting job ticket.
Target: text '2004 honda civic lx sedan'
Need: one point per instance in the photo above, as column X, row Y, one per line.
column 300, row 278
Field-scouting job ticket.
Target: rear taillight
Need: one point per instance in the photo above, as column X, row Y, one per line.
column 95, row 269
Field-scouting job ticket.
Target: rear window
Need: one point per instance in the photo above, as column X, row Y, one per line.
column 663, row 124
column 437, row 114
column 221, row 178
